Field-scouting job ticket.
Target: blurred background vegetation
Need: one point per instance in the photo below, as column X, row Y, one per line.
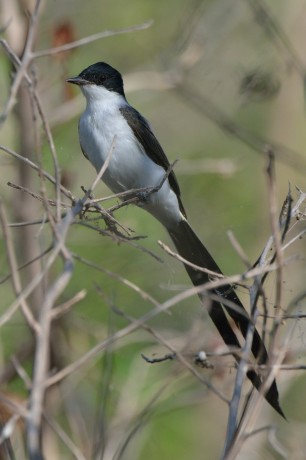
column 227, row 54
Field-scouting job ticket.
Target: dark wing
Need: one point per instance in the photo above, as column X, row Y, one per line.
column 83, row 151
column 152, row 147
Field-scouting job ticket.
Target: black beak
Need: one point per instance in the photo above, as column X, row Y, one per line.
column 77, row 81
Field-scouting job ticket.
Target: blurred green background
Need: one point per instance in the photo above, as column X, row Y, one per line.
column 223, row 53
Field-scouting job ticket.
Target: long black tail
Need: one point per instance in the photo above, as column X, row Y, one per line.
column 190, row 247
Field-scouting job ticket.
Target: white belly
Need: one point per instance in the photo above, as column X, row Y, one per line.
column 129, row 167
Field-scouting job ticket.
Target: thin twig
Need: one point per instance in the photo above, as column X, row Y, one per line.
column 275, row 231
column 24, row 63
column 60, row 310
column 236, row 245
column 186, row 262
column 90, row 39
column 36, row 167
column 258, row 144
column 276, row 33
column 63, row 436
column 160, row 308
column 36, row 196
column 17, row 286
column 42, row 339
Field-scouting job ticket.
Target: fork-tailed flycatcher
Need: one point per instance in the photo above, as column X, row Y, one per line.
column 139, row 162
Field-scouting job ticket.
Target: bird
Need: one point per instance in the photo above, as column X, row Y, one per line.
column 138, row 161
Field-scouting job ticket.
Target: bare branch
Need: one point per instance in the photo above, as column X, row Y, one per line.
column 14, row 269
column 90, row 39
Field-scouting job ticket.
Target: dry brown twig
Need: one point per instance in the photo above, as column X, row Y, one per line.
column 60, row 232
column 14, row 270
column 41, row 363
column 237, row 436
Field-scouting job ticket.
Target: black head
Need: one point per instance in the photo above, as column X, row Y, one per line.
column 100, row 74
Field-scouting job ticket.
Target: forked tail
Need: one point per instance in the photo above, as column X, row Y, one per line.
column 191, row 248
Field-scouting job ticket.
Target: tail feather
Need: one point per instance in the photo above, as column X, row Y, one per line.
column 191, row 248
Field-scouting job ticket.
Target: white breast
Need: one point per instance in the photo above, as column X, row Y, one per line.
column 129, row 167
